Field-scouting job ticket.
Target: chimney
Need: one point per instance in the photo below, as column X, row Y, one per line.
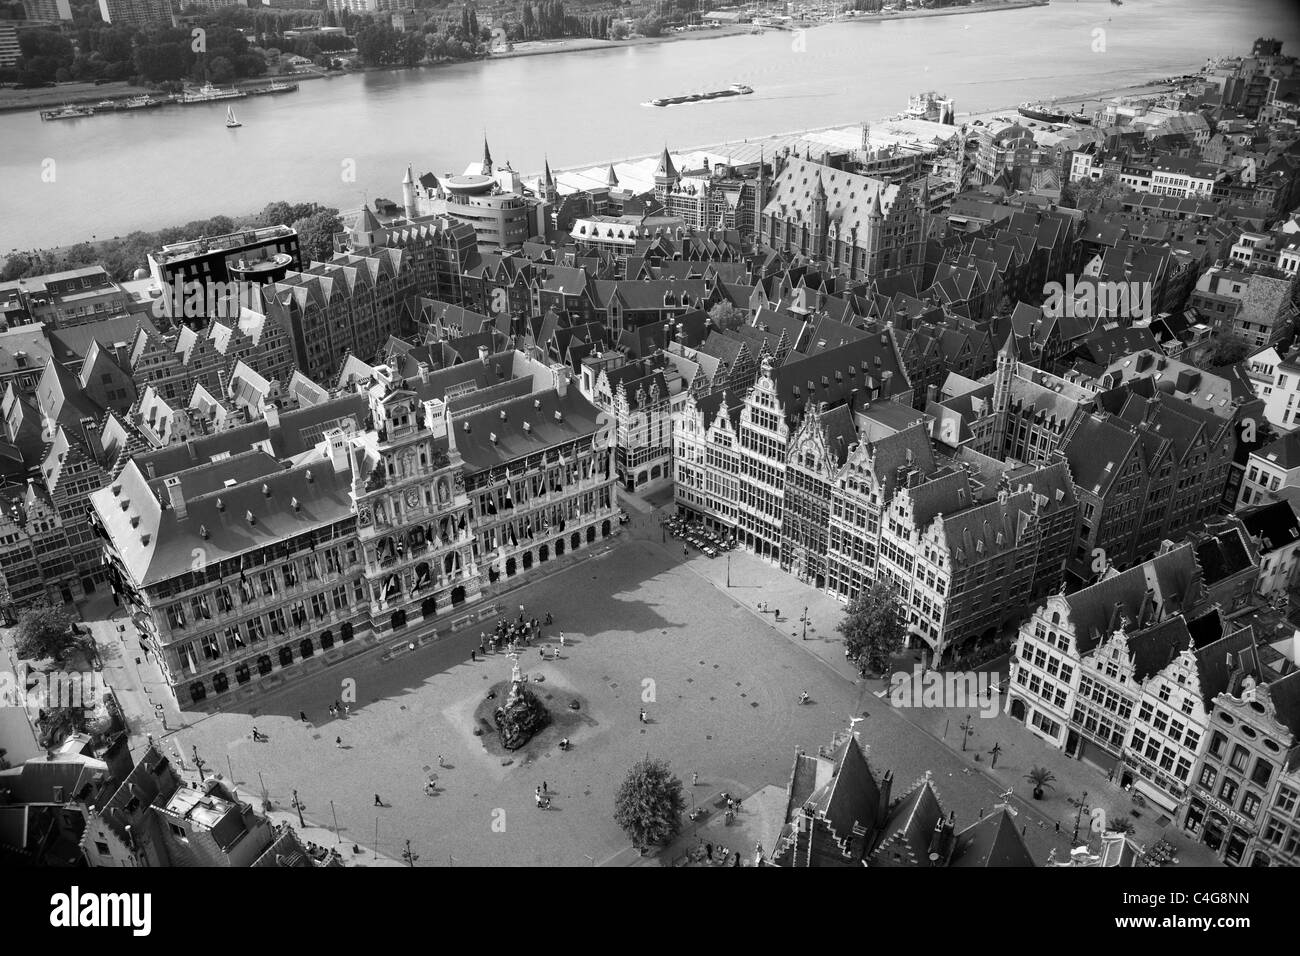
column 561, row 375
column 271, row 414
column 483, row 353
column 176, row 495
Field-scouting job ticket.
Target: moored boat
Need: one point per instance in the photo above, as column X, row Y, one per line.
column 1041, row 111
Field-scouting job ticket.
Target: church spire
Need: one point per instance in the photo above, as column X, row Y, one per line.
column 611, row 178
column 487, row 158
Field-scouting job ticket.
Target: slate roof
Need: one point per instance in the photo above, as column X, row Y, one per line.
column 994, row 841
column 473, row 433
column 1095, row 610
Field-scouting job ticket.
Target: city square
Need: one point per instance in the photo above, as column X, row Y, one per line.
column 721, row 682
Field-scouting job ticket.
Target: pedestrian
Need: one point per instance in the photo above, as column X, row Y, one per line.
column 441, row 765
column 695, row 779
column 708, row 851
column 538, row 794
column 1058, row 826
column 776, row 615
column 544, row 788
column 542, row 651
column 561, row 638
column 302, row 715
column 347, row 710
column 338, row 742
column 482, row 643
column 473, row 655
column 332, row 711
column 378, row 802
column 685, row 553
column 548, row 617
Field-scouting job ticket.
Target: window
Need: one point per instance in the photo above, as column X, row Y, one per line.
column 1262, row 773
column 1207, row 777
column 1286, row 799
column 1240, row 756
column 1250, row 804
column 1228, row 790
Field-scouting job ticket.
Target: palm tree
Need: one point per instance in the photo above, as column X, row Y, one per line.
column 1122, row 824
column 1042, row 779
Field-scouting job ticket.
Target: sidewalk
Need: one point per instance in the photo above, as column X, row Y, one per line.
column 312, row 832
column 134, row 675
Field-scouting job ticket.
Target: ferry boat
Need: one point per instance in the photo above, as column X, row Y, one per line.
column 1042, row 111
column 207, row 93
column 67, row 112
column 273, row 88
column 735, row 89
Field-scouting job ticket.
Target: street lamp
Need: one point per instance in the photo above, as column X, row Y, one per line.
column 408, row 856
column 997, row 749
column 966, row 731
column 297, row 805
column 1082, row 805
column 199, row 762
column 805, row 624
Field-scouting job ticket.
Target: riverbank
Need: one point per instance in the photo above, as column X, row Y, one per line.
column 88, row 94
column 575, row 44
column 1091, row 100
column 980, row 6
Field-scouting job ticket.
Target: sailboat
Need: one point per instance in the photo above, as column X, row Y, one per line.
column 231, row 122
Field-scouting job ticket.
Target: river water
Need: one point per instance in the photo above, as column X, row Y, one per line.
column 345, row 140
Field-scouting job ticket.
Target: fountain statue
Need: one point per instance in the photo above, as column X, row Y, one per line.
column 523, row 715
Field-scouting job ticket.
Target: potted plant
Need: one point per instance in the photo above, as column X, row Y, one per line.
column 1042, row 779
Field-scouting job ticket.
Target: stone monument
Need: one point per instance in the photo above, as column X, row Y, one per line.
column 523, row 715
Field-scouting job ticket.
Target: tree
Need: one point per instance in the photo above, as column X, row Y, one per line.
column 618, row 31
column 1227, row 350
column 650, row 26
column 649, row 804
column 44, row 631
column 1122, row 824
column 872, row 629
column 316, row 234
column 413, row 48
column 726, row 316
column 1088, row 194
column 221, row 70
column 1042, row 779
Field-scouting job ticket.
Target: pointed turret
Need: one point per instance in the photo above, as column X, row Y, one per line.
column 665, row 169
column 665, row 175
column 876, row 211
column 408, row 194
column 611, row 179
column 365, row 233
column 549, row 192
column 487, row 158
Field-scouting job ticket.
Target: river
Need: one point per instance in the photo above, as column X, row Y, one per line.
column 117, row 172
